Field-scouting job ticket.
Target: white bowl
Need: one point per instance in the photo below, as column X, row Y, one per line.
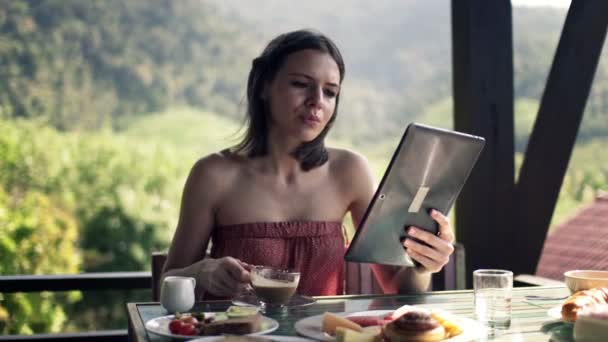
column 579, row 280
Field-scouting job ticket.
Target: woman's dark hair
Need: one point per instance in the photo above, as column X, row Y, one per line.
column 264, row 69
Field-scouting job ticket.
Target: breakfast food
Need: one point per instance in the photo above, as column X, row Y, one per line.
column 236, row 320
column 592, row 324
column 232, row 338
column 451, row 326
column 238, row 326
column 369, row 321
column 348, row 335
column 415, row 326
column 583, row 300
column 332, row 321
column 407, row 323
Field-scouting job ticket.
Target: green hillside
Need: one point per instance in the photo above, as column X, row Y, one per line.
column 89, row 64
column 186, row 129
column 98, row 63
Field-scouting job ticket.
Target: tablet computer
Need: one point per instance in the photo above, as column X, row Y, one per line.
column 427, row 171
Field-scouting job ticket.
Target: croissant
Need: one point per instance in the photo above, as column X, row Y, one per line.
column 582, row 300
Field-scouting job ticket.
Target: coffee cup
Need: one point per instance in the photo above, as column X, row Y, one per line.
column 177, row 293
column 274, row 287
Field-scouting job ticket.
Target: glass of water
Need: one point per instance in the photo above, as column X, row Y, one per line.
column 493, row 299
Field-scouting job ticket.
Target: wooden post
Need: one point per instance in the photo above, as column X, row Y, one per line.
column 556, row 127
column 482, row 51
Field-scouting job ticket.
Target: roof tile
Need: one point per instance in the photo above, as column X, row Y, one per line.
column 579, row 243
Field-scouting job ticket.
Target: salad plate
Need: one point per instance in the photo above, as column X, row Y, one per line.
column 160, row 326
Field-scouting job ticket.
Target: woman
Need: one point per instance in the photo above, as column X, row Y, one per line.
column 279, row 197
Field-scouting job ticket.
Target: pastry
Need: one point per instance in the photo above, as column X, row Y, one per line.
column 583, row 300
column 414, row 326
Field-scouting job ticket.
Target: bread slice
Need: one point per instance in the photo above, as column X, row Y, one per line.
column 237, row 326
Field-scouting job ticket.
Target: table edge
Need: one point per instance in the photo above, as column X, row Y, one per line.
column 137, row 331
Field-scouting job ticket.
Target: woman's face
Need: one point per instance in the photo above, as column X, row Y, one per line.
column 303, row 94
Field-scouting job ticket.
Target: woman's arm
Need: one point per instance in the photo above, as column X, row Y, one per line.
column 395, row 279
column 186, row 256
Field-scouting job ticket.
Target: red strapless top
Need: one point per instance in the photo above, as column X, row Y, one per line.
column 314, row 248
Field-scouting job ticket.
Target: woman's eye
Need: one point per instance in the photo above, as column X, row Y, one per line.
column 330, row 93
column 299, row 84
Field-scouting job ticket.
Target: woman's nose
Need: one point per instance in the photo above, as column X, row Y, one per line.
column 315, row 96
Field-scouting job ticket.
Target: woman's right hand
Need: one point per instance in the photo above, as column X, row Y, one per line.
column 224, row 277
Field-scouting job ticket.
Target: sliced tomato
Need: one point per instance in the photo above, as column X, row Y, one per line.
column 187, row 329
column 175, row 326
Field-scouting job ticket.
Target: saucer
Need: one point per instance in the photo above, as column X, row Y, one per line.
column 252, row 300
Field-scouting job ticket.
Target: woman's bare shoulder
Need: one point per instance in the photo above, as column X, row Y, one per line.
column 340, row 157
column 347, row 163
column 218, row 167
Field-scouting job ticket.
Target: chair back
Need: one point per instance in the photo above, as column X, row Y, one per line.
column 454, row 273
column 158, row 262
column 359, row 277
column 361, row 280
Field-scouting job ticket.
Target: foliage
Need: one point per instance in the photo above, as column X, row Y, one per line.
column 92, row 176
column 36, row 237
column 92, row 64
column 82, row 64
column 98, row 197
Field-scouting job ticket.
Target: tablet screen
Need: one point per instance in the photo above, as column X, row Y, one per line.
column 427, row 171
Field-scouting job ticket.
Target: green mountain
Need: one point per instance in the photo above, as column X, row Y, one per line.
column 90, row 64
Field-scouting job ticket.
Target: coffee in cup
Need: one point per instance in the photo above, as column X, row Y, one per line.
column 273, row 286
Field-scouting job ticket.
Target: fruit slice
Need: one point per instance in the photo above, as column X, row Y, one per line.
column 366, row 321
column 347, row 335
column 332, row 321
column 451, row 325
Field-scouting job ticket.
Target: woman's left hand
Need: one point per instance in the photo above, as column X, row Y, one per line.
column 434, row 256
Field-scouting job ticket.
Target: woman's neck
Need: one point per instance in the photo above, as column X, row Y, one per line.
column 279, row 159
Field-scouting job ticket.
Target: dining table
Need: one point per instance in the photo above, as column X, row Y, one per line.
column 531, row 309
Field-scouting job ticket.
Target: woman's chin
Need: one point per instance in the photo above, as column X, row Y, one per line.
column 310, row 134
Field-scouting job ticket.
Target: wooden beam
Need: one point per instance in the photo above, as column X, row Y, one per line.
column 482, row 51
column 556, row 127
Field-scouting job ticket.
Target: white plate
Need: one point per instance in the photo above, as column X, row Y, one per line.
column 555, row 312
column 160, row 326
column 271, row 338
column 311, row 326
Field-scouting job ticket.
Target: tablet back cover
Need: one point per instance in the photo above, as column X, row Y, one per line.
column 427, row 171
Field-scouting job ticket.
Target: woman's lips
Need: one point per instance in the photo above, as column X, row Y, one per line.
column 312, row 120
